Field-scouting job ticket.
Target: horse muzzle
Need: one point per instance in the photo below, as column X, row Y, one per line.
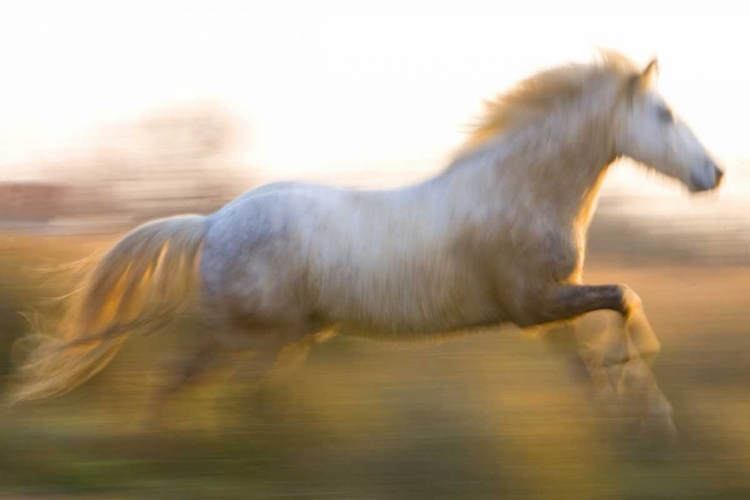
column 707, row 178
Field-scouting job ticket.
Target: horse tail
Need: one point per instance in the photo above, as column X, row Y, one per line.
column 139, row 285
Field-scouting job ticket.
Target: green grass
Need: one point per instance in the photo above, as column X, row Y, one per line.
column 490, row 416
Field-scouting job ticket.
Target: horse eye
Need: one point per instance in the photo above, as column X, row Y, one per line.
column 665, row 115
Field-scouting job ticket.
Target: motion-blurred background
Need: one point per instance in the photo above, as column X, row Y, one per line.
column 115, row 112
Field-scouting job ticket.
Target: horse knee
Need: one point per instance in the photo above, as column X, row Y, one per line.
column 631, row 301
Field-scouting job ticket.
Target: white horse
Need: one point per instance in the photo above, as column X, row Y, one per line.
column 497, row 237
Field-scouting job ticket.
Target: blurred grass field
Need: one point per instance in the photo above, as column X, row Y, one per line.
column 495, row 415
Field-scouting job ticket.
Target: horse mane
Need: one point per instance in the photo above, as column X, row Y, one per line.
column 542, row 92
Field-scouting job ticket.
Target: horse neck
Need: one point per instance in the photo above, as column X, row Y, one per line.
column 554, row 167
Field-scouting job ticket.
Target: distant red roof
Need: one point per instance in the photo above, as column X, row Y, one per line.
column 31, row 200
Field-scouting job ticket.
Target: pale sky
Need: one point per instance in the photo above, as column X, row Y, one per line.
column 344, row 86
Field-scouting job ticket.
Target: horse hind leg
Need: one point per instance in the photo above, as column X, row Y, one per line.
column 247, row 356
column 180, row 373
column 258, row 352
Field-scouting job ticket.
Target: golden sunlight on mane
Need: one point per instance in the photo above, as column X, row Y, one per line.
column 543, row 91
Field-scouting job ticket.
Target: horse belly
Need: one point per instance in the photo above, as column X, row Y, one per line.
column 410, row 298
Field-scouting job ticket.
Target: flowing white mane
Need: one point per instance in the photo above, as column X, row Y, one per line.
column 543, row 91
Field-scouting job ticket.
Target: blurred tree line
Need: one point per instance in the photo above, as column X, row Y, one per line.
column 174, row 160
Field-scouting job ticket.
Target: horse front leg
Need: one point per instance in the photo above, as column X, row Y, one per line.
column 628, row 391
column 603, row 350
column 567, row 302
column 616, row 349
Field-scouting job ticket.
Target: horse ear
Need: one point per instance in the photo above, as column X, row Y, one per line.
column 649, row 75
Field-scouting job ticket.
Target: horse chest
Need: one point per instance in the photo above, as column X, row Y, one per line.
column 560, row 257
column 547, row 253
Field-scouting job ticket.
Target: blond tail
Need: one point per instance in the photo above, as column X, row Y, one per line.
column 138, row 286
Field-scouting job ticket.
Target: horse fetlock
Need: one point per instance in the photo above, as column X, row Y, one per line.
column 615, row 357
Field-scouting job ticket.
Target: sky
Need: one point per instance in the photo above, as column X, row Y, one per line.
column 344, row 87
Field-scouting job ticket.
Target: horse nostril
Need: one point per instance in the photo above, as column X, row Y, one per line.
column 718, row 175
column 707, row 176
